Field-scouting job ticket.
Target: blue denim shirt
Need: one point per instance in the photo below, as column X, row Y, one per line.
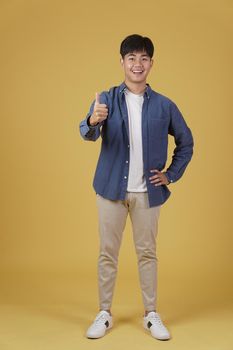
column 160, row 117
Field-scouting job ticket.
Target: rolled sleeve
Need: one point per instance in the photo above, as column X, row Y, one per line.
column 87, row 131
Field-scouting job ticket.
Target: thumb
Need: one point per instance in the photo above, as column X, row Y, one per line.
column 97, row 97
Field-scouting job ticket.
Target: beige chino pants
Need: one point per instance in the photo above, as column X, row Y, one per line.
column 112, row 221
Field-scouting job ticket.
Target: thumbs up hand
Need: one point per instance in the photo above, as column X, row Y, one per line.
column 100, row 111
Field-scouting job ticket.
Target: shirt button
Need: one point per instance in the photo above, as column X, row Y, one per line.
column 125, row 177
column 128, row 145
column 127, row 161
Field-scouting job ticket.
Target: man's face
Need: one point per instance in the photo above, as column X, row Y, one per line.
column 136, row 66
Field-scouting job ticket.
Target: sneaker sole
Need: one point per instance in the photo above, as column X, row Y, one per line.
column 107, row 329
column 147, row 329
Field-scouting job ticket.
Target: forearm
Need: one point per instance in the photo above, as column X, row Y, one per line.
column 89, row 132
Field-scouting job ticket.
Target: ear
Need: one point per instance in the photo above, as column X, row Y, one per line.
column 121, row 61
column 151, row 62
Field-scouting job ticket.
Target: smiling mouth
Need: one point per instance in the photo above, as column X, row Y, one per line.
column 137, row 71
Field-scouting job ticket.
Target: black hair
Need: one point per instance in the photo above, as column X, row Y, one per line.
column 136, row 42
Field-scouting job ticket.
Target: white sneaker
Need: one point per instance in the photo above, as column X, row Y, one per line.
column 153, row 323
column 102, row 322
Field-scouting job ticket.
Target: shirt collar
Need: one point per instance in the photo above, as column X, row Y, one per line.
column 147, row 92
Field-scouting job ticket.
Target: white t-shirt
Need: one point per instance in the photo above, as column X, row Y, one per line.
column 136, row 180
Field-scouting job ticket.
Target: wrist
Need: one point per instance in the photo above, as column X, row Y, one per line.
column 168, row 179
column 91, row 121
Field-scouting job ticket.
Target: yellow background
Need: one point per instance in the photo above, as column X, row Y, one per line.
column 54, row 56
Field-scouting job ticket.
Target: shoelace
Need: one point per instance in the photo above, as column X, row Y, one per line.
column 100, row 319
column 156, row 318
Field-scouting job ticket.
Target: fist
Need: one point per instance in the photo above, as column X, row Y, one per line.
column 100, row 111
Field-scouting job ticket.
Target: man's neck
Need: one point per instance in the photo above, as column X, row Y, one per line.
column 136, row 88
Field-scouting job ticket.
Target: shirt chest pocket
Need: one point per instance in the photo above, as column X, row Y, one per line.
column 158, row 127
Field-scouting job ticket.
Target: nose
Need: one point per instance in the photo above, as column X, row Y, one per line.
column 138, row 62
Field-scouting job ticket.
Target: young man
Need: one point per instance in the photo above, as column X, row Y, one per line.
column 134, row 122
